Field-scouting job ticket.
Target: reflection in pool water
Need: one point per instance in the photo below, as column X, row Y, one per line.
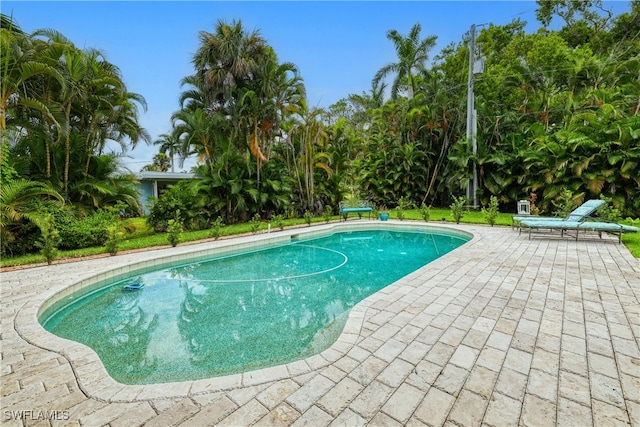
column 241, row 312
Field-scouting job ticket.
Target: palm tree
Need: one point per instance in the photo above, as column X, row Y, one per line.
column 278, row 92
column 56, row 92
column 227, row 59
column 357, row 108
column 104, row 186
column 109, row 112
column 161, row 163
column 412, row 57
column 74, row 68
column 373, row 99
column 90, row 98
column 199, row 133
column 17, row 202
column 20, row 64
column 170, row 143
column 233, row 109
column 307, row 140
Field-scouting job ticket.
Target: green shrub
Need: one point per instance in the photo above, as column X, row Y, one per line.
column 457, row 208
column 491, row 213
column 49, row 238
column 403, row 205
column 425, row 212
column 308, row 217
column 82, row 232
column 327, row 214
column 216, row 228
column 608, row 212
column 174, row 231
column 24, row 240
column 278, row 221
column 74, row 231
column 114, row 236
column 181, row 197
column 91, row 231
column 255, row 223
column 564, row 203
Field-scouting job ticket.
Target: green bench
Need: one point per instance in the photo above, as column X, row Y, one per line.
column 355, row 206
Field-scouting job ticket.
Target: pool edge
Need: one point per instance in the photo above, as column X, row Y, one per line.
column 91, row 373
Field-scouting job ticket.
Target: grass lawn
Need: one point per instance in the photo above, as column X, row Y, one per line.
column 138, row 235
column 632, row 241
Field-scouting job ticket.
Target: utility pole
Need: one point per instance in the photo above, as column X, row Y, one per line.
column 472, row 188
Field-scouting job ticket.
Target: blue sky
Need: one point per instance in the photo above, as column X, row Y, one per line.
column 338, row 46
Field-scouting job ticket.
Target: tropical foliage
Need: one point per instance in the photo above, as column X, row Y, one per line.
column 558, row 120
column 60, row 108
column 556, row 111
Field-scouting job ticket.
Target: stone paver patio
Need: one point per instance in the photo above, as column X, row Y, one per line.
column 503, row 331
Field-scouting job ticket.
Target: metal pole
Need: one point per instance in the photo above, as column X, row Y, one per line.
column 474, row 143
column 471, row 135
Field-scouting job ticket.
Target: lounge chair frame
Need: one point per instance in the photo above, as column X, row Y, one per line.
column 577, row 226
column 580, row 213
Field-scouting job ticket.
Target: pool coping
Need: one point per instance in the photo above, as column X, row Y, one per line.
column 502, row 331
column 94, row 380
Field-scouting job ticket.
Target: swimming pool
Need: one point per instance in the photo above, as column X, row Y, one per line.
column 240, row 311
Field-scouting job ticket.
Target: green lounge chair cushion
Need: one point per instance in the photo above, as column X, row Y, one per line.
column 577, row 225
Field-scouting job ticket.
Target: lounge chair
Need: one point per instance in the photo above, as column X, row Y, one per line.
column 577, row 226
column 580, row 213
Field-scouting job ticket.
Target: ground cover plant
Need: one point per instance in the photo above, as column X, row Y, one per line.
column 137, row 235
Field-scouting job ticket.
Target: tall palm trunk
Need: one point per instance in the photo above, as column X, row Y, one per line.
column 67, row 150
column 47, row 151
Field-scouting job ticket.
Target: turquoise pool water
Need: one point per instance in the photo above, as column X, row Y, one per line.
column 241, row 312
